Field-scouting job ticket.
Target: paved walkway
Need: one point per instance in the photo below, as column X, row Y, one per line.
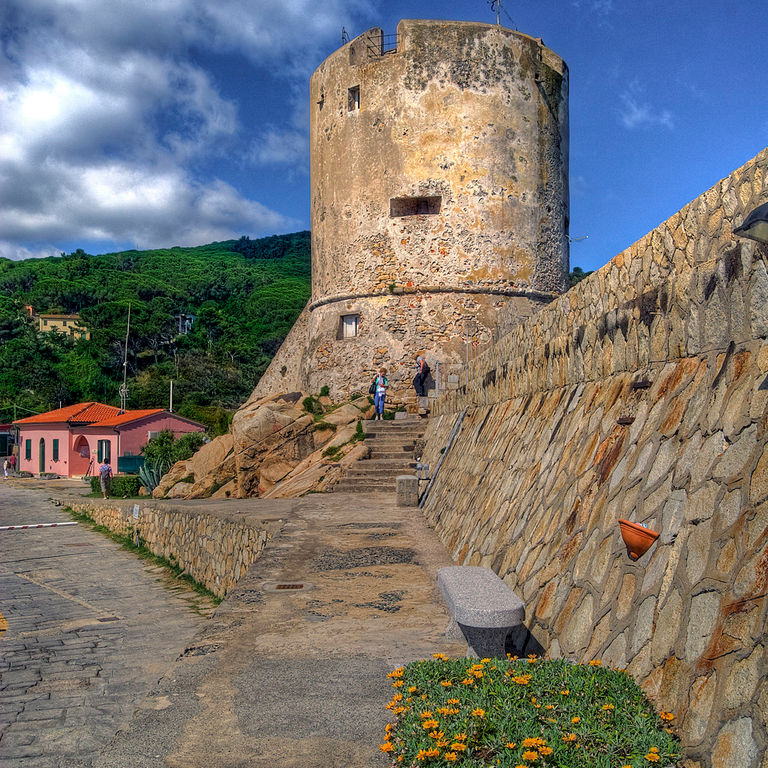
column 89, row 629
column 296, row 678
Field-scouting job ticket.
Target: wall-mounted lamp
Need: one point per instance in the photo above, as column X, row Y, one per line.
column 755, row 226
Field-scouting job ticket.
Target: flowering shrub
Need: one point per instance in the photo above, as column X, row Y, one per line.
column 523, row 713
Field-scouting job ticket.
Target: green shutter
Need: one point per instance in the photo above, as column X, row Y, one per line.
column 55, row 450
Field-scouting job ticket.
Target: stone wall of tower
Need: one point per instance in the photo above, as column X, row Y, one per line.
column 439, row 198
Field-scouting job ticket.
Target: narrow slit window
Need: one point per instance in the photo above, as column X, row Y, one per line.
column 415, row 206
column 353, row 99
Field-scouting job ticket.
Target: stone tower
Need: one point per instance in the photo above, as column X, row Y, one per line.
column 439, row 173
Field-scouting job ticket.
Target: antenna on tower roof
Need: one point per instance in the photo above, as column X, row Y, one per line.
column 344, row 36
column 495, row 8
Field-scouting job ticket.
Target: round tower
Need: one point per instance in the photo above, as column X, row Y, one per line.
column 439, row 173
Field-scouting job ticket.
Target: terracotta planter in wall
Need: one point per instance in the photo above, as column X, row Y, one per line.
column 637, row 538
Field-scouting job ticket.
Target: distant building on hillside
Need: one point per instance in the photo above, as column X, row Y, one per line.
column 69, row 325
column 74, row 440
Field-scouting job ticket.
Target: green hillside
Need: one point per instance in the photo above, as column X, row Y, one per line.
column 245, row 295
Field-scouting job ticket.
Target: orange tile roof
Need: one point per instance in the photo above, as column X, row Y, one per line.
column 128, row 416
column 89, row 413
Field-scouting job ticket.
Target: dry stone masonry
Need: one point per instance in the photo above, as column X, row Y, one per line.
column 213, row 548
column 642, row 393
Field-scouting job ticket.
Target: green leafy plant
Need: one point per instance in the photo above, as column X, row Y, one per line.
column 312, row 406
column 121, row 486
column 332, row 452
column 152, row 472
column 359, row 432
column 325, row 391
column 524, row 712
column 321, row 425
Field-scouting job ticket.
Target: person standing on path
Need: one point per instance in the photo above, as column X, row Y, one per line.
column 105, row 478
column 12, row 463
column 5, row 469
column 419, row 381
column 380, row 380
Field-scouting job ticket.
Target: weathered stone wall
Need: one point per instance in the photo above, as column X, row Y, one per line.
column 470, row 118
column 214, row 550
column 642, row 394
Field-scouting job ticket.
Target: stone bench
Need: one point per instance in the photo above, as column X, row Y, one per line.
column 482, row 607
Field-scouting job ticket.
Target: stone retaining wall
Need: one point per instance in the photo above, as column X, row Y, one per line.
column 642, row 393
column 215, row 551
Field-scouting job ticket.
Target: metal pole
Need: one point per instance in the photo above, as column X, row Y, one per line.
column 170, row 409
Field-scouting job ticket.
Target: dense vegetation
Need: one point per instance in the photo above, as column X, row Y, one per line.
column 244, row 296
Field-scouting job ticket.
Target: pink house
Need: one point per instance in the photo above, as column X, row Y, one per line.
column 73, row 441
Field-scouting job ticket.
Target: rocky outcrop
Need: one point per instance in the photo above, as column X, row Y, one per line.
column 275, row 448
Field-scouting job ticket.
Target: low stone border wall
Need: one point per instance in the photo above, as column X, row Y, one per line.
column 215, row 550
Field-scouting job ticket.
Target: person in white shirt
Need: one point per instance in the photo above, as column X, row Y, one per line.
column 380, row 380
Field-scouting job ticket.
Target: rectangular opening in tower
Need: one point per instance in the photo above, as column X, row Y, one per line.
column 353, row 99
column 348, row 326
column 415, row 206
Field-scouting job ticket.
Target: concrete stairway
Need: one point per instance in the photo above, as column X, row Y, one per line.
column 391, row 446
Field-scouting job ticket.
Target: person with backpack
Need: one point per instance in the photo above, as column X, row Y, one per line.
column 419, row 380
column 379, row 386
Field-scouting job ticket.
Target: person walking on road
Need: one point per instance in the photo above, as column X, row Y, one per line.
column 5, row 469
column 12, row 463
column 105, row 478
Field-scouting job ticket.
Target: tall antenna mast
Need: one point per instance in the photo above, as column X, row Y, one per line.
column 124, row 387
column 496, row 7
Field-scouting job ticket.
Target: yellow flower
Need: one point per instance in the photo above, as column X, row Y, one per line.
column 458, row 746
column 546, row 750
column 429, row 724
column 569, row 737
column 522, row 679
column 666, row 715
column 412, row 689
column 397, row 683
column 425, row 715
column 565, row 691
column 536, row 741
column 386, row 747
column 652, row 757
column 400, row 710
column 400, row 758
column 450, row 757
column 550, row 706
column 421, row 754
column 510, row 745
column 436, row 735
column 595, row 663
column 446, row 683
column 441, row 656
column 432, row 752
column 575, row 720
column 396, row 672
column 484, row 661
column 441, row 743
column 468, row 681
column 477, row 673
column 653, row 749
column 530, row 755
column 451, row 701
column 388, row 727
column 460, row 737
column 477, row 712
column 608, row 706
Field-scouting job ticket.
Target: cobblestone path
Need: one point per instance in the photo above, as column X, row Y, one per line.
column 90, row 628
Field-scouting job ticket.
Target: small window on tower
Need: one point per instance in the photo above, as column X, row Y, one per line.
column 353, row 99
column 415, row 206
column 348, row 326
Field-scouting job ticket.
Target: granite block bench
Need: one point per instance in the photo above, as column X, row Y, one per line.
column 482, row 607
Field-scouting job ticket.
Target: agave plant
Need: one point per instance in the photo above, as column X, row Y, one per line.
column 151, row 474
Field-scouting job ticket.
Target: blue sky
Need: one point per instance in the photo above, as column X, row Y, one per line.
column 177, row 122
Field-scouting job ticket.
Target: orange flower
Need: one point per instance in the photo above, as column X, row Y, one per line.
column 429, row 724
column 451, row 701
column 397, row 683
column 565, row 691
column 608, row 706
column 386, row 747
column 534, row 742
column 550, row 706
column 441, row 656
column 432, row 752
column 569, row 737
column 460, row 737
column 396, row 672
column 575, row 720
column 546, row 750
column 424, row 715
column 450, row 757
column 510, row 745
column 595, row 663
column 412, row 689
column 652, row 757
column 477, row 712
column 446, row 683
column 531, row 755
column 666, row 715
column 436, row 735
column 468, row 681
column 458, row 746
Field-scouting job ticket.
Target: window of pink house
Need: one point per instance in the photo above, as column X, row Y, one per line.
column 28, row 450
column 104, row 451
column 55, row 449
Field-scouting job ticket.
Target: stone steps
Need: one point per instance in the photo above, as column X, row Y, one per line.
column 391, row 446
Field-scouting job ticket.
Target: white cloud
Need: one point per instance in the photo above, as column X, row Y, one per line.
column 106, row 118
column 637, row 113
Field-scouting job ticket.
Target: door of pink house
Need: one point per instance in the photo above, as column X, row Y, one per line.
column 42, row 455
column 81, row 456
